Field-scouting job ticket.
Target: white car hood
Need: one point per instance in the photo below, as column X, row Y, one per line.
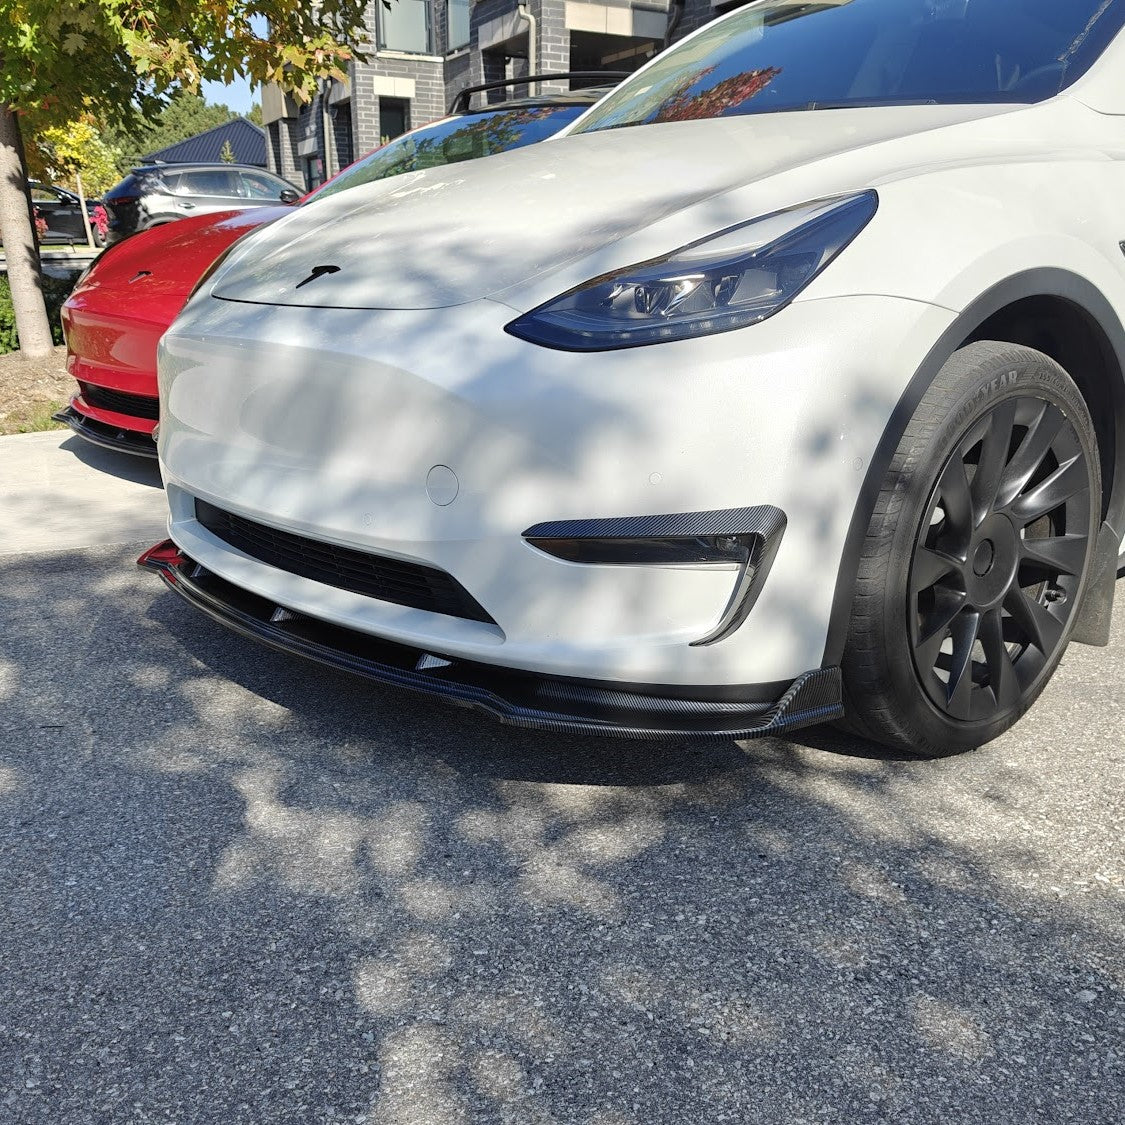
column 447, row 236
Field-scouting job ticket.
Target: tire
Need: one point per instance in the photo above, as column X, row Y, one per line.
column 976, row 556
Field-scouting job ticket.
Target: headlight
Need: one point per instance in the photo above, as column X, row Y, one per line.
column 738, row 277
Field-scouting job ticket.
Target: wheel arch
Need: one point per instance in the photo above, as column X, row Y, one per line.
column 1072, row 320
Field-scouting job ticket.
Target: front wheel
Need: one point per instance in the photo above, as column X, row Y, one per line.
column 976, row 556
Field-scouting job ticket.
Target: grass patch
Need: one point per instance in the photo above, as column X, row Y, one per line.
column 32, row 419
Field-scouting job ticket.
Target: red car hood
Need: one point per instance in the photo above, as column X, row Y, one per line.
column 168, row 260
column 114, row 319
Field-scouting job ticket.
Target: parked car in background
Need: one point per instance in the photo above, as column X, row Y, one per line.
column 61, row 212
column 787, row 386
column 155, row 194
column 127, row 299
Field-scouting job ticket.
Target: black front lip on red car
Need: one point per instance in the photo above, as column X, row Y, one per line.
column 524, row 699
column 109, row 437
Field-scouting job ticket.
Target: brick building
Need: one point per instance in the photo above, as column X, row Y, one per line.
column 421, row 53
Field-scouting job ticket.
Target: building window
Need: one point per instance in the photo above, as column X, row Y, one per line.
column 405, row 26
column 341, row 114
column 458, row 30
column 394, row 118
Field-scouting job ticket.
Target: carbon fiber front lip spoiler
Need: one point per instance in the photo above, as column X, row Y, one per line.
column 108, row 437
column 522, row 699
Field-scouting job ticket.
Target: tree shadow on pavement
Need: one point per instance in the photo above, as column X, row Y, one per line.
column 238, row 887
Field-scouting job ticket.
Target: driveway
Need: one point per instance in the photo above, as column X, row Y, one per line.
column 239, row 888
column 60, row 493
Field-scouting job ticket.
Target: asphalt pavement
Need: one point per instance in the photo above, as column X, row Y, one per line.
column 235, row 887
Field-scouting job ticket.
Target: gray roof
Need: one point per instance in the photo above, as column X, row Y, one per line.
column 247, row 142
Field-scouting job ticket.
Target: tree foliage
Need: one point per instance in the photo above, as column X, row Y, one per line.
column 185, row 115
column 60, row 59
column 60, row 56
column 60, row 152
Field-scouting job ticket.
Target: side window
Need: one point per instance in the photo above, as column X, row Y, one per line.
column 45, row 195
column 260, row 187
column 172, row 183
column 209, row 182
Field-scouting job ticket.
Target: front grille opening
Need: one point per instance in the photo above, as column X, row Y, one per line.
column 121, row 402
column 374, row 576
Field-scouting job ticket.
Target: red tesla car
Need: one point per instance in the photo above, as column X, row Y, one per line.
column 127, row 299
column 117, row 313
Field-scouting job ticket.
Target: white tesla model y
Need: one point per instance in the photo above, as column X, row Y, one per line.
column 786, row 386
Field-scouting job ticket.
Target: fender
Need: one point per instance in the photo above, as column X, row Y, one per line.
column 1032, row 283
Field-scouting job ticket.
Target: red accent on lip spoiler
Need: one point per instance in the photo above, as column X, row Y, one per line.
column 162, row 557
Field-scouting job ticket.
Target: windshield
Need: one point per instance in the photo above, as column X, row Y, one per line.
column 780, row 55
column 458, row 138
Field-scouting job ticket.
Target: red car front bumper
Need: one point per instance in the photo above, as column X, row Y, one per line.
column 111, row 341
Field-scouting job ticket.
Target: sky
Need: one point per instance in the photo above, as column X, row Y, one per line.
column 238, row 95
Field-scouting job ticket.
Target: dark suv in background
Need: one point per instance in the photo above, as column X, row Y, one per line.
column 61, row 210
column 161, row 193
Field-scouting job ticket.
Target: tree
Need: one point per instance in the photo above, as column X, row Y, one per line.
column 226, row 154
column 185, row 115
column 255, row 114
column 60, row 58
column 62, row 152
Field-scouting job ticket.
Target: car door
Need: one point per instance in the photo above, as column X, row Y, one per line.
column 201, row 191
column 70, row 215
column 260, row 189
column 59, row 210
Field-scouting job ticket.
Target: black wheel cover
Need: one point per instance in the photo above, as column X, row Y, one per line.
column 998, row 559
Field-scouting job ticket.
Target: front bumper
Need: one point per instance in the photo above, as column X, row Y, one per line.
column 112, row 337
column 436, row 438
column 110, row 436
column 518, row 698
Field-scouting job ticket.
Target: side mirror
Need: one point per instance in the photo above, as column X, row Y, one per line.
column 289, row 195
